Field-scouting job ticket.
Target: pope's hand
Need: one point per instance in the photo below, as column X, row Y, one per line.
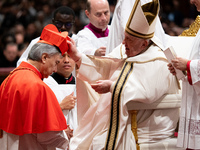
column 72, row 51
column 102, row 86
column 171, row 69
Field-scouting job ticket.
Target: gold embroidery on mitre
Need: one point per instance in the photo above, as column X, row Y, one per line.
column 150, row 11
column 115, row 106
column 150, row 15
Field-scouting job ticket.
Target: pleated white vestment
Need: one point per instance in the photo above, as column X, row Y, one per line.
column 143, row 78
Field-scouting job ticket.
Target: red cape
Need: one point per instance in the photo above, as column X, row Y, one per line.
column 27, row 104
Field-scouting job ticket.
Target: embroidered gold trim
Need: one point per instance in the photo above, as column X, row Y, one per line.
column 193, row 29
column 134, row 127
column 121, row 51
column 115, row 106
column 131, row 15
column 132, row 31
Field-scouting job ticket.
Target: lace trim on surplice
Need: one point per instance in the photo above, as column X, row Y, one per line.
column 190, row 126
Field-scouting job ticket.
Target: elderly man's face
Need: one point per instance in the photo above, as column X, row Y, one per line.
column 99, row 15
column 64, row 22
column 50, row 64
column 134, row 45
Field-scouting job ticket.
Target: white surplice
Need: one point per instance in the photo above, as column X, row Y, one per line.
column 61, row 91
column 88, row 43
column 189, row 126
column 147, row 82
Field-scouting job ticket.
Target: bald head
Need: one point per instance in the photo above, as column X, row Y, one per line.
column 98, row 12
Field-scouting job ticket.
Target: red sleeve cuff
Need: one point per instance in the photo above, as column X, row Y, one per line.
column 188, row 72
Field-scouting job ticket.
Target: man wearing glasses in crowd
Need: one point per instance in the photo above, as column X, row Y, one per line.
column 63, row 18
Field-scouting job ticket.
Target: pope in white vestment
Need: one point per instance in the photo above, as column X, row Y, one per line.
column 142, row 78
column 148, row 80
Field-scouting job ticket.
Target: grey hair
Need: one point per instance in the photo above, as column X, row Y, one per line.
column 40, row 48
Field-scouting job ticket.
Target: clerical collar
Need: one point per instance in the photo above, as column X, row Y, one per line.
column 97, row 32
column 62, row 80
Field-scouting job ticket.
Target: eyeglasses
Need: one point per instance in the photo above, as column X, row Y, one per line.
column 66, row 24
